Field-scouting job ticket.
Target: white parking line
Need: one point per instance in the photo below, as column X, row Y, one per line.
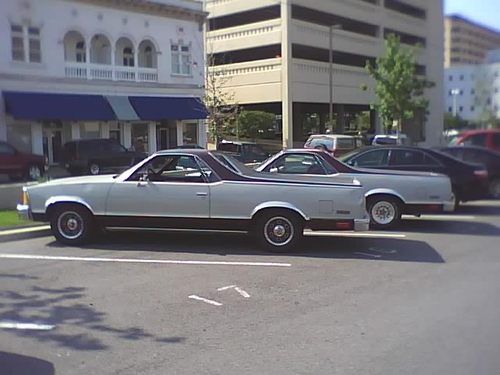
column 441, row 217
column 355, row 234
column 368, row 255
column 147, row 261
column 242, row 292
column 226, row 288
column 24, row 230
column 209, row 301
column 26, row 326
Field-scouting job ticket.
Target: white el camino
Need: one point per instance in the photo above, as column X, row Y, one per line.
column 389, row 194
column 196, row 190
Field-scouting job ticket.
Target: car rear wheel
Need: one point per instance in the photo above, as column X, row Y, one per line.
column 495, row 188
column 72, row 224
column 279, row 230
column 34, row 172
column 384, row 211
column 94, row 169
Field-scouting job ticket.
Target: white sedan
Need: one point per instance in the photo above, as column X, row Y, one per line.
column 389, row 194
column 195, row 190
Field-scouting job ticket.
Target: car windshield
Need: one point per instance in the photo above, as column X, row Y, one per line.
column 232, row 163
column 345, row 143
column 347, row 156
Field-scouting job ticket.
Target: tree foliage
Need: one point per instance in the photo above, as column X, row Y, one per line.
column 220, row 103
column 255, row 124
column 399, row 88
column 454, row 122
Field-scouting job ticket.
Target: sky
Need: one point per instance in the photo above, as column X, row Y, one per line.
column 486, row 12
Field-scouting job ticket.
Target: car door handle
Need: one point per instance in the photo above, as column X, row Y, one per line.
column 201, row 194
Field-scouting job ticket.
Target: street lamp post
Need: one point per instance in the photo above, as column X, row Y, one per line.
column 330, row 59
column 455, row 93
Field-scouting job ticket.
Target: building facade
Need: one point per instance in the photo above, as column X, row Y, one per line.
column 275, row 56
column 131, row 70
column 472, row 92
column 467, row 42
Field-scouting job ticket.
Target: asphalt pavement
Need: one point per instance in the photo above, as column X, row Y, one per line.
column 423, row 300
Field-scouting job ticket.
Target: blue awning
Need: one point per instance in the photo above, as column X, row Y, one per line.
column 68, row 107
column 156, row 108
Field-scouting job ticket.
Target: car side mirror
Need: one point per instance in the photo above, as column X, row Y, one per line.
column 273, row 170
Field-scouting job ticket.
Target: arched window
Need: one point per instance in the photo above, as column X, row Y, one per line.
column 148, row 57
column 128, row 57
column 80, row 52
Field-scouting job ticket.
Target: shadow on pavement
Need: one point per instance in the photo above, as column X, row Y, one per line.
column 16, row 364
column 479, row 209
column 475, row 228
column 64, row 308
column 402, row 250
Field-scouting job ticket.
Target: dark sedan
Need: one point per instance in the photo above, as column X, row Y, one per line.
column 469, row 181
column 480, row 155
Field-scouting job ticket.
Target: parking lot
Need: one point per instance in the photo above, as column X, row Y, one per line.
column 423, row 300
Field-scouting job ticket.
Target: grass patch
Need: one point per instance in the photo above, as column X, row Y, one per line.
column 10, row 218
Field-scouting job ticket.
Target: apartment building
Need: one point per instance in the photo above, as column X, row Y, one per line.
column 467, row 42
column 472, row 92
column 132, row 70
column 275, row 55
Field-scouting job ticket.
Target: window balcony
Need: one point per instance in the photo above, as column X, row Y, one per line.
column 109, row 72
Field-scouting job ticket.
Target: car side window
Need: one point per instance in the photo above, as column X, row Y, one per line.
column 297, row 164
column 6, row 149
column 375, row 158
column 474, row 156
column 476, row 140
column 430, row 160
column 407, row 157
column 170, row 168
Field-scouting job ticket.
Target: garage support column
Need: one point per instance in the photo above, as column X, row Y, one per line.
column 286, row 79
column 127, row 134
column 340, row 119
column 75, row 130
column 202, row 133
column 105, row 130
column 3, row 121
column 152, row 138
column 180, row 133
column 37, row 138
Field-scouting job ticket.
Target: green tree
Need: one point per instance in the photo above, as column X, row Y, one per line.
column 454, row 122
column 255, row 124
column 399, row 88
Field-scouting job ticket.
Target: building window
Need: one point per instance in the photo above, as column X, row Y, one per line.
column 472, row 91
column 148, row 57
column 34, row 44
column 472, row 108
column 450, row 78
column 181, row 59
column 17, row 38
column 461, row 109
column 450, row 109
column 81, row 55
column 128, row 57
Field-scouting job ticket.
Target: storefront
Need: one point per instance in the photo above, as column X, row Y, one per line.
column 41, row 123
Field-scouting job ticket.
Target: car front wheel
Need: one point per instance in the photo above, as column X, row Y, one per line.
column 279, row 230
column 72, row 224
column 384, row 211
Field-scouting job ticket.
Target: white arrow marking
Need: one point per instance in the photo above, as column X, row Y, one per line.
column 242, row 292
column 209, row 301
column 383, row 251
column 28, row 326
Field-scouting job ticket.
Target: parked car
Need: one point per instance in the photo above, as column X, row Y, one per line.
column 20, row 165
column 389, row 194
column 192, row 189
column 189, row 146
column 490, row 159
column 487, row 138
column 246, row 152
column 469, row 181
column 97, row 156
column 335, row 144
column 391, row 139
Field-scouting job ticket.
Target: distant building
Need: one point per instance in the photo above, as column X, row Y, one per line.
column 467, row 42
column 472, row 92
column 132, row 70
column 275, row 55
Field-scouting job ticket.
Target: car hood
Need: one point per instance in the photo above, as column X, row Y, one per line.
column 81, row 180
column 393, row 172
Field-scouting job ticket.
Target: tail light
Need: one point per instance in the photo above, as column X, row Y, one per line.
column 481, row 173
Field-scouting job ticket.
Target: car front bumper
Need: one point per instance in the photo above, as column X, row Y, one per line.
column 361, row 225
column 449, row 206
column 24, row 211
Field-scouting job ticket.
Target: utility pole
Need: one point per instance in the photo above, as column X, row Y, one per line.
column 455, row 93
column 330, row 59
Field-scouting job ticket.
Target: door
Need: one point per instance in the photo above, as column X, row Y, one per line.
column 162, row 139
column 52, row 145
column 168, row 191
column 414, row 160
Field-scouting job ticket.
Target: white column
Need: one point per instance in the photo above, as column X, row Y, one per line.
column 180, row 133
column 286, row 81
column 75, row 130
column 127, row 134
column 152, row 137
column 105, row 130
column 113, row 70
column 202, row 133
column 136, row 63
column 3, row 120
column 36, row 138
column 87, row 57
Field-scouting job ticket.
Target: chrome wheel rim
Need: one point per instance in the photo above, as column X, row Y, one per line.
column 34, row 172
column 94, row 169
column 70, row 225
column 383, row 212
column 279, row 231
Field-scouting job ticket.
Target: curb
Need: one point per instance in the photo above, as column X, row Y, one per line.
column 28, row 232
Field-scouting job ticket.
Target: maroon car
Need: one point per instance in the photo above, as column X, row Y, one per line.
column 19, row 165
